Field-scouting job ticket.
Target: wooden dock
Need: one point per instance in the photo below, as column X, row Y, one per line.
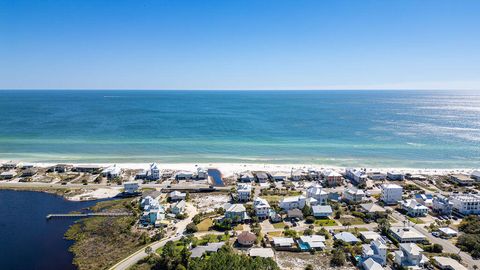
column 50, row 216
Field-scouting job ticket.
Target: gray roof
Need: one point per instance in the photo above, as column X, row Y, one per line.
column 322, row 209
column 347, row 237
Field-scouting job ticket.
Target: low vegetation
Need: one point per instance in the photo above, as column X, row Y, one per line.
column 102, row 241
column 470, row 240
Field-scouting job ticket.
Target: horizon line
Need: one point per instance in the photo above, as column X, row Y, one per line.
column 234, row 89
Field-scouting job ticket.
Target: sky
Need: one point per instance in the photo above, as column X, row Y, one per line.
column 243, row 44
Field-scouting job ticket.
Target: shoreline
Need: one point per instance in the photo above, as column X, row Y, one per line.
column 229, row 169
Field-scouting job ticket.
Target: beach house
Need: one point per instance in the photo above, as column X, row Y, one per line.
column 199, row 251
column 376, row 250
column 410, row 256
column 261, row 252
column 447, row 263
column 462, row 179
column 395, row 176
column 298, row 175
column 372, row 208
column 184, row 175
column 391, row 194
column 279, row 176
column 178, row 207
column 283, row 243
column 405, row 234
column 244, row 192
column 176, row 196
column 246, row 238
column 353, row 195
column 346, row 237
column 10, row 165
column 288, row 203
column 130, row 187
column 262, row 177
column 236, row 212
column 424, row 199
column 201, row 174
column 377, row 176
column 246, row 177
column 93, row 169
column 357, row 177
column 322, row 211
column 318, row 193
column 295, row 214
column 475, row 175
column 466, row 204
column 332, row 178
column 261, row 207
column 153, row 172
column 413, row 208
column 442, row 205
column 112, row 172
column 370, row 264
column 7, row 175
column 311, row 242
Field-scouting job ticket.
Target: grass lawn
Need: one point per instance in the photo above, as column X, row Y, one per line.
column 275, row 234
column 279, row 225
column 351, row 230
column 212, row 238
column 273, row 198
column 205, row 225
column 352, row 221
column 415, row 220
column 325, row 222
column 239, row 227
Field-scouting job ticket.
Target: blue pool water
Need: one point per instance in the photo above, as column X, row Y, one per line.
column 346, row 128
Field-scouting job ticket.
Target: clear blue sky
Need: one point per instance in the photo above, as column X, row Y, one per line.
column 259, row 44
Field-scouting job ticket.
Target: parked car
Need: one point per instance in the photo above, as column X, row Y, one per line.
column 436, row 234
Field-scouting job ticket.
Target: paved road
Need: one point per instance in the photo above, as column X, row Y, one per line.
column 448, row 247
column 34, row 185
column 140, row 254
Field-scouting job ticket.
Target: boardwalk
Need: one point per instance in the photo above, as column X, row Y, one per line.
column 50, row 216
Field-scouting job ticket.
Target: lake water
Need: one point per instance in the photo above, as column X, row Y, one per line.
column 347, row 128
column 27, row 239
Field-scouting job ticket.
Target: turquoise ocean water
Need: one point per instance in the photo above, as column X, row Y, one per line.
column 422, row 129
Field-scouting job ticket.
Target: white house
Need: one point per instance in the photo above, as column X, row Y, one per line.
column 311, row 242
column 391, row 193
column 130, row 187
column 292, row 202
column 178, row 207
column 442, row 205
column 177, row 196
column 370, row 264
column 112, row 172
column 261, row 207
column 447, row 232
column 354, row 195
column 317, row 193
column 322, row 211
column 377, row 176
column 244, row 192
column 410, row 255
column 413, row 208
column 282, row 242
column 447, row 263
column 346, row 237
column 395, row 176
column 357, row 177
column 298, row 175
column 311, row 202
column 466, row 204
column 376, row 250
column 424, row 199
column 202, row 173
column 406, row 234
column 153, row 173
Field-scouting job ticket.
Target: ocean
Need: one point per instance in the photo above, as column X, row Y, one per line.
column 418, row 129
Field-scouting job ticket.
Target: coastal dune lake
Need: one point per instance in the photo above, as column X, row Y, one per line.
column 420, row 129
column 27, row 239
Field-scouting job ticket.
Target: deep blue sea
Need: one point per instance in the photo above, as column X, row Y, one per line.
column 423, row 129
column 27, row 239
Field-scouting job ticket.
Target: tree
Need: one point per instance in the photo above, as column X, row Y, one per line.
column 338, row 257
column 148, row 250
column 191, row 228
column 307, row 211
column 309, row 267
column 309, row 219
column 383, row 225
